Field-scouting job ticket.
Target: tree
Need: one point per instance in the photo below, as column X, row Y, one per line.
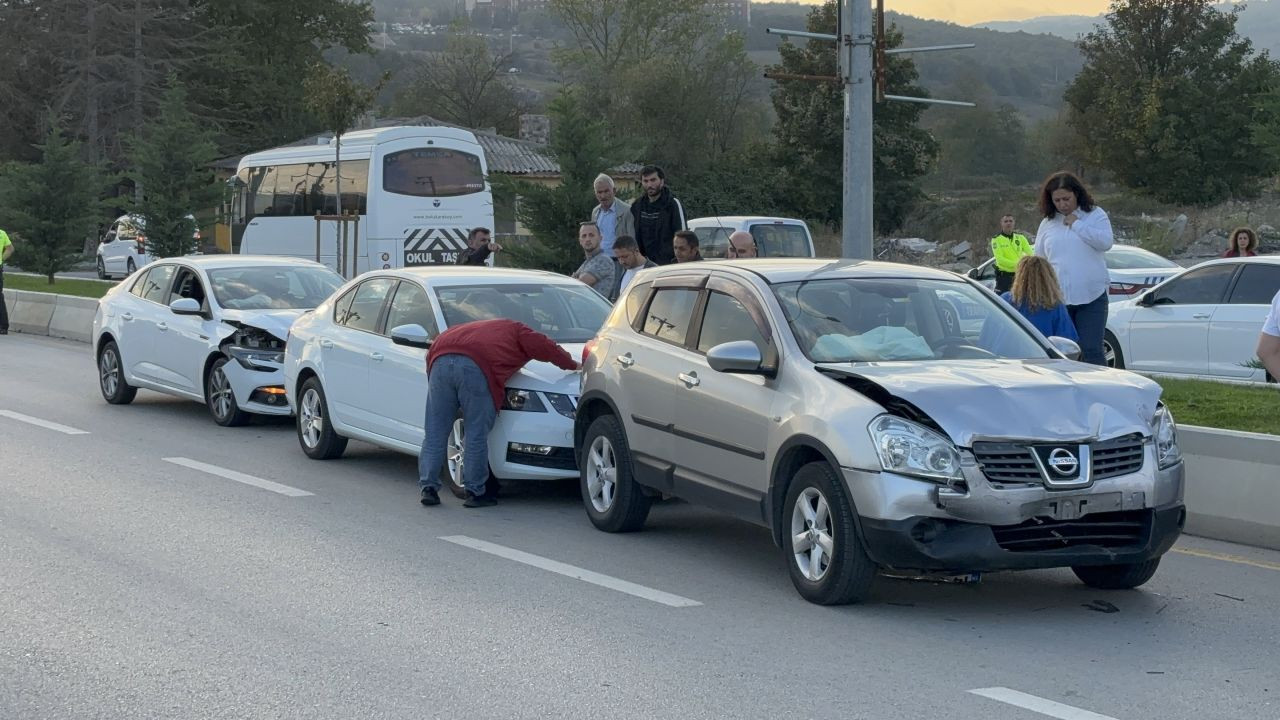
column 580, row 147
column 1170, row 98
column 809, row 132
column 338, row 102
column 52, row 205
column 170, row 164
column 466, row 84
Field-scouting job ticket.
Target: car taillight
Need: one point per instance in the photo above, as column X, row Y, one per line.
column 586, row 350
column 1126, row 288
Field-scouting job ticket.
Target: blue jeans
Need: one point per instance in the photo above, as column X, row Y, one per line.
column 457, row 382
column 1090, row 320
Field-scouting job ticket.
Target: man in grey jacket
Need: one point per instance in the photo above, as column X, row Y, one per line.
column 611, row 215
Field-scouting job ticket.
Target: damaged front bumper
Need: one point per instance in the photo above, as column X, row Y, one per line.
column 258, row 385
column 979, row 525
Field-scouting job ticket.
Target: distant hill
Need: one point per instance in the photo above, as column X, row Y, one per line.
column 1068, row 27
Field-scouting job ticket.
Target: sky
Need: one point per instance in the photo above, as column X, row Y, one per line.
column 968, row 12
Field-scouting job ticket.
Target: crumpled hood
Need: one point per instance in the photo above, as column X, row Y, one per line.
column 276, row 322
column 547, row 377
column 1055, row 400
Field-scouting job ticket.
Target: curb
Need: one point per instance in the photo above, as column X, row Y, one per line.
column 59, row 316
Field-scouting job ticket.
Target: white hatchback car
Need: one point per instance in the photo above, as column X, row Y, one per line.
column 123, row 247
column 1204, row 322
column 1130, row 268
column 210, row 329
column 356, row 367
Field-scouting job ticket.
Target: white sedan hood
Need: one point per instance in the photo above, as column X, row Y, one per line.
column 547, row 377
column 276, row 322
column 1055, row 400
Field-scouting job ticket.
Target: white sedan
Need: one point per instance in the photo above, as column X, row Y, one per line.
column 209, row 328
column 1130, row 268
column 1204, row 322
column 356, row 367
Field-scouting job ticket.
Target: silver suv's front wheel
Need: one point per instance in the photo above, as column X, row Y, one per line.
column 613, row 499
column 827, row 563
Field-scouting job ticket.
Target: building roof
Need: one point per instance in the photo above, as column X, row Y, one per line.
column 504, row 155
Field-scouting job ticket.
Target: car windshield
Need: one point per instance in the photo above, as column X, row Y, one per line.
column 273, row 288
column 889, row 319
column 567, row 313
column 1123, row 257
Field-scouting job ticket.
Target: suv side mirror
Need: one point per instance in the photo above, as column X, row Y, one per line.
column 740, row 356
column 186, row 306
column 1066, row 346
column 411, row 336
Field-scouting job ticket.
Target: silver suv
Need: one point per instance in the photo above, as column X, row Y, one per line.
column 839, row 404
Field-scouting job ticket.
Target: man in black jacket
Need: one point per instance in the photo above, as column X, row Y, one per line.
column 658, row 216
column 478, row 247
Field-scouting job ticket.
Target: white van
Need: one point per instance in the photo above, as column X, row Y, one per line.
column 775, row 237
column 123, row 247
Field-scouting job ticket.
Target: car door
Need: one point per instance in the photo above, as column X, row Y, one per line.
column 398, row 374
column 722, row 421
column 1233, row 331
column 1169, row 330
column 649, row 363
column 346, row 354
column 183, row 343
column 125, row 311
column 150, row 318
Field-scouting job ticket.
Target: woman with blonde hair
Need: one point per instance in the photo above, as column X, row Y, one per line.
column 1037, row 296
column 1243, row 242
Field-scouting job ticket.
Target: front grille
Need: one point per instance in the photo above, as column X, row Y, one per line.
column 1006, row 462
column 1108, row 530
column 1118, row 456
column 561, row 458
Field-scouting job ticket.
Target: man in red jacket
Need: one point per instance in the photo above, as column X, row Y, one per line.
column 468, row 367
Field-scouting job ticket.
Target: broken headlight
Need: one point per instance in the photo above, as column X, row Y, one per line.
column 1167, row 451
column 908, row 448
column 256, row 359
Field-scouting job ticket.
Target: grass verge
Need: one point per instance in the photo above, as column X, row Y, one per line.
column 61, row 286
column 1223, row 405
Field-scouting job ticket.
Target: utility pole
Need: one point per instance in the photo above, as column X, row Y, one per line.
column 860, row 58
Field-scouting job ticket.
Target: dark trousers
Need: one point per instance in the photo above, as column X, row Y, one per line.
column 4, row 310
column 1004, row 281
column 1090, row 320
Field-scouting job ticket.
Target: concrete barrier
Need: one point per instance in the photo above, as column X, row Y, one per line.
column 1233, row 485
column 73, row 318
column 29, row 312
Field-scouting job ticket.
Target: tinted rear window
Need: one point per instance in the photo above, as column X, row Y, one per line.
column 432, row 172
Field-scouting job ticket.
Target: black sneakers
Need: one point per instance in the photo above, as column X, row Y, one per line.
column 479, row 501
column 430, row 497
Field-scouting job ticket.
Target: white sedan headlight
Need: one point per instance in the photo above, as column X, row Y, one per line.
column 1167, row 451
column 908, row 448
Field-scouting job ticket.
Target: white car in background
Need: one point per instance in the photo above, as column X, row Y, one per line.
column 123, row 247
column 356, row 367
column 1132, row 270
column 211, row 329
column 1203, row 323
column 774, row 236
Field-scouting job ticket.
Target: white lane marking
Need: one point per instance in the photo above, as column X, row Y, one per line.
column 42, row 423
column 572, row 571
column 1038, row 704
column 238, row 477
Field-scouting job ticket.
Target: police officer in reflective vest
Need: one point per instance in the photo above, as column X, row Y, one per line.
column 1008, row 248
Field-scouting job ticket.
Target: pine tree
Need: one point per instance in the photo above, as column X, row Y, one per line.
column 51, row 206
column 170, row 167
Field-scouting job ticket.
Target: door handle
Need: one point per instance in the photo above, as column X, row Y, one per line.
column 127, row 317
column 1201, row 316
column 690, row 380
column 625, row 361
column 162, row 327
column 376, row 357
column 324, row 343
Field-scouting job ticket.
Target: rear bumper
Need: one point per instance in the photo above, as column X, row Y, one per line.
column 935, row 544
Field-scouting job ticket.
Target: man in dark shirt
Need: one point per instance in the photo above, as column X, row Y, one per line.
column 478, row 247
column 658, row 215
column 685, row 245
column 467, row 368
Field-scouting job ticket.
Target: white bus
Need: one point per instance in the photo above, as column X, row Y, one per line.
column 418, row 192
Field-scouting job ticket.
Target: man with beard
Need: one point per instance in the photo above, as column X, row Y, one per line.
column 658, row 215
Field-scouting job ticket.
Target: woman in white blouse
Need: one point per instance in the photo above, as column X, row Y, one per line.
column 1073, row 237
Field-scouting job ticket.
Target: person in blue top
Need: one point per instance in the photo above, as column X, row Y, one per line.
column 1035, row 294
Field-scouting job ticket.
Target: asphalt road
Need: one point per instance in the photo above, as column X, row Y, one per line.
column 134, row 584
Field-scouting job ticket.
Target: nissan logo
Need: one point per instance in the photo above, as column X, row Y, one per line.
column 1063, row 461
